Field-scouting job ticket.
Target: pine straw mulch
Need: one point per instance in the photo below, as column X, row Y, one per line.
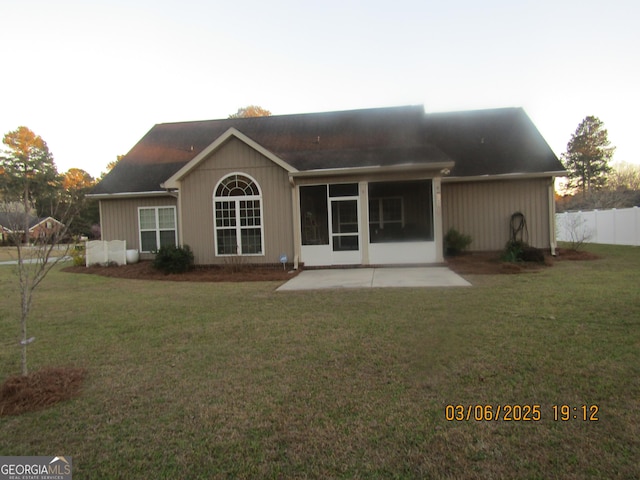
column 489, row 263
column 227, row 273
column 477, row 263
column 39, row 390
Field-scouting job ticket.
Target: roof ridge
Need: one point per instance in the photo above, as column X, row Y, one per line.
column 363, row 111
column 476, row 111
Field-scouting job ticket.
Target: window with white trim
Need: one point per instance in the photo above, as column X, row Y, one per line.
column 157, row 227
column 238, row 216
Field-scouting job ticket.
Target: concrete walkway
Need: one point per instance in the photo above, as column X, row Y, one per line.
column 374, row 278
column 34, row 260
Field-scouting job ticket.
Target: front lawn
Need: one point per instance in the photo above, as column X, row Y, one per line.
column 10, row 254
column 235, row 380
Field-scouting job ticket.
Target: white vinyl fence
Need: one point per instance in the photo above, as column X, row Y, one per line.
column 615, row 227
column 103, row 252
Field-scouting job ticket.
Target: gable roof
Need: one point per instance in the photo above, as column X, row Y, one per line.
column 14, row 221
column 491, row 142
column 339, row 140
column 172, row 182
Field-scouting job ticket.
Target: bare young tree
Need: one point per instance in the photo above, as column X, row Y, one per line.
column 27, row 170
column 576, row 230
column 45, row 247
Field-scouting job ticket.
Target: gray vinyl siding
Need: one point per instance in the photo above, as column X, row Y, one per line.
column 197, row 190
column 119, row 218
column 483, row 210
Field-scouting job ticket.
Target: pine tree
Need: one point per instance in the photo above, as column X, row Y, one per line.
column 588, row 155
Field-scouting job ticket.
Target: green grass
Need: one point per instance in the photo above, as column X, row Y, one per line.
column 8, row 254
column 237, row 381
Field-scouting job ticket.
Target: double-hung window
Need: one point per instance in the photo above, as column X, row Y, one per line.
column 238, row 216
column 157, row 227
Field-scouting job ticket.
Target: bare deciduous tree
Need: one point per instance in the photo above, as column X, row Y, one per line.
column 624, row 176
column 28, row 176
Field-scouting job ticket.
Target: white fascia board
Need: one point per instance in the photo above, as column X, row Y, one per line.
column 174, row 180
column 123, row 195
column 503, row 176
column 407, row 167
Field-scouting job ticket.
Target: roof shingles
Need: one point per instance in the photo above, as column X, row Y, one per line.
column 486, row 142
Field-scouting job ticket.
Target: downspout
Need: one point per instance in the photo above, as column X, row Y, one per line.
column 552, row 217
column 101, row 217
column 176, row 194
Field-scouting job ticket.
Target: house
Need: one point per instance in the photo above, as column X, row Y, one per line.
column 361, row 187
column 12, row 225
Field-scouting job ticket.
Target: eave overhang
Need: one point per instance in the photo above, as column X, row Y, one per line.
column 504, row 176
column 435, row 167
column 125, row 195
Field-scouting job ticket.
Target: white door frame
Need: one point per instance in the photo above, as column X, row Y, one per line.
column 345, row 257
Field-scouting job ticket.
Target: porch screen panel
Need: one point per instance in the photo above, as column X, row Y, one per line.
column 343, row 190
column 314, row 215
column 344, row 223
column 400, row 211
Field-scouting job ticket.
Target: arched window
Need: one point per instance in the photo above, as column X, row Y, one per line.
column 238, row 216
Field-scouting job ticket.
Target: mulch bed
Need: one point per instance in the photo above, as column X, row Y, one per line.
column 476, row 263
column 228, row 273
column 39, row 390
column 489, row 263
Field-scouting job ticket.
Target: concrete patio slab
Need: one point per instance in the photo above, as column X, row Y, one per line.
column 374, row 278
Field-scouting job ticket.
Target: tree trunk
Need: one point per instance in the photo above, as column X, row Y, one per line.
column 26, row 213
column 25, row 304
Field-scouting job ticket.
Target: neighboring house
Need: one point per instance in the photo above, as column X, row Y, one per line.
column 12, row 224
column 364, row 187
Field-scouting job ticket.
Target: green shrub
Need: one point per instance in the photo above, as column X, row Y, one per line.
column 513, row 251
column 78, row 255
column 173, row 259
column 455, row 242
column 518, row 251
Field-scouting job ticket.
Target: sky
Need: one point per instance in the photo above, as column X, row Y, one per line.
column 92, row 77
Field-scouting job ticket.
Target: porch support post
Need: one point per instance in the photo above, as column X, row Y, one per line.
column 297, row 240
column 364, row 221
column 438, row 235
